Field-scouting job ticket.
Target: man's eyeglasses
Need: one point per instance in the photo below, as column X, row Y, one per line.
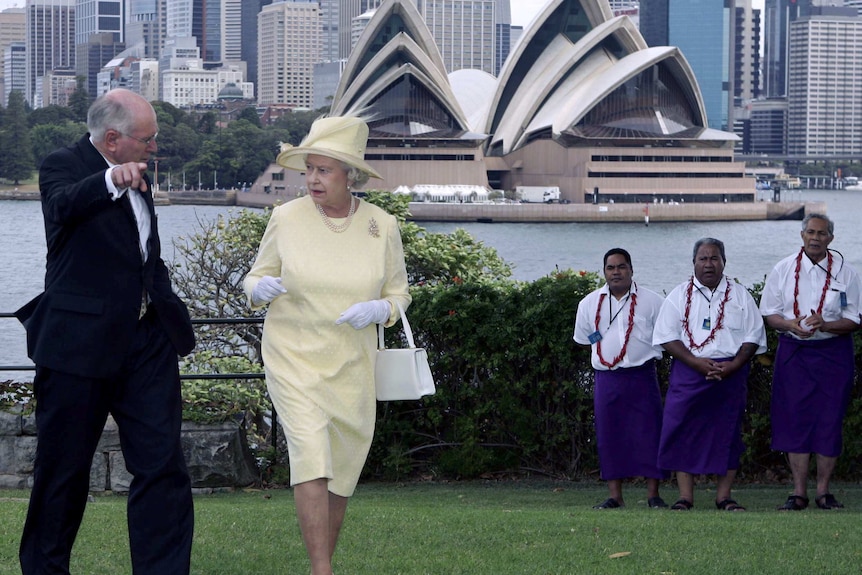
column 144, row 141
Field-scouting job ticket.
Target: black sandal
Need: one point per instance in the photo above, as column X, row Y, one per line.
column 794, row 503
column 728, row 505
column 682, row 505
column 609, row 503
column 828, row 501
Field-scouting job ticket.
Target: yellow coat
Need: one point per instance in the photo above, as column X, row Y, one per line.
column 320, row 376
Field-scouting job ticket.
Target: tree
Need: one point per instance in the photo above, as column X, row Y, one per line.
column 79, row 100
column 48, row 115
column 16, row 157
column 249, row 114
column 45, row 138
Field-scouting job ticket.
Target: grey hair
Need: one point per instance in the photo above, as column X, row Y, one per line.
column 357, row 177
column 709, row 242
column 829, row 223
column 109, row 113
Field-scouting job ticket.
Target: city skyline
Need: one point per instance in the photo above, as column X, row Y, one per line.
column 523, row 11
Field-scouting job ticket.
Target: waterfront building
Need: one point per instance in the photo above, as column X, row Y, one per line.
column 288, row 49
column 12, row 29
column 250, row 10
column 769, row 126
column 854, row 4
column 50, row 39
column 582, row 103
column 824, row 88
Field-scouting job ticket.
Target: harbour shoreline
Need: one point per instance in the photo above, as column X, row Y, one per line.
column 513, row 213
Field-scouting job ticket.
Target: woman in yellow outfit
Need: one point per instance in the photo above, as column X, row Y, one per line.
column 331, row 267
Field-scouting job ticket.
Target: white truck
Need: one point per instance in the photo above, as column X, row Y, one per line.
column 538, row 194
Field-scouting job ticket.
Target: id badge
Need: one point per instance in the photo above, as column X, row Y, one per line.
column 707, row 324
column 844, row 299
column 595, row 337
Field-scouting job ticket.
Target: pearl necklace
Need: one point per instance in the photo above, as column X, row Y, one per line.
column 337, row 228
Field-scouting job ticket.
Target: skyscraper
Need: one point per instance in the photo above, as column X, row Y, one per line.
column 824, row 100
column 50, row 42
column 464, row 31
column 722, row 53
column 99, row 36
column 145, row 26
column 199, row 19
column 12, row 29
column 778, row 15
column 288, row 48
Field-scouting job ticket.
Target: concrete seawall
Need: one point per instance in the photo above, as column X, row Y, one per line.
column 531, row 213
column 525, row 213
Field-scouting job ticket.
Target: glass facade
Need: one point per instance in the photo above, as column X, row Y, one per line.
column 701, row 29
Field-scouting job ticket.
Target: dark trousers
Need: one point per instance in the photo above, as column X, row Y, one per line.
column 71, row 412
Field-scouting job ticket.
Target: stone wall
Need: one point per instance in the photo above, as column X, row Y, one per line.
column 217, row 456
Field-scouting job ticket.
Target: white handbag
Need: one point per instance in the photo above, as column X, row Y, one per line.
column 401, row 374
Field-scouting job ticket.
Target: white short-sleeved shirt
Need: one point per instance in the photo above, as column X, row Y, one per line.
column 613, row 324
column 741, row 323
column 777, row 298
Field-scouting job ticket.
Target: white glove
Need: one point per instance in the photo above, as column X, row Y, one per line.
column 363, row 314
column 266, row 290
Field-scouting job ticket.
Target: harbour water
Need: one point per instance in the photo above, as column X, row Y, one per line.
column 661, row 252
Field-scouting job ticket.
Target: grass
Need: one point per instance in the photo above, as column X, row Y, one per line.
column 478, row 528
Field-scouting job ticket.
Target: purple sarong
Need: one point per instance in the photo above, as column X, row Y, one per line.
column 627, row 404
column 702, row 427
column 811, row 388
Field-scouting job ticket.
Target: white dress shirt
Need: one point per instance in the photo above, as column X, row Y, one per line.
column 139, row 206
column 777, row 297
column 741, row 322
column 613, row 324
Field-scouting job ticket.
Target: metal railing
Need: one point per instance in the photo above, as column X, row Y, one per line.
column 210, row 321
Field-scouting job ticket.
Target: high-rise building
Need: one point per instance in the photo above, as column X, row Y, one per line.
column 854, row 4
column 144, row 27
column 250, row 10
column 14, row 69
column 288, row 49
column 824, row 92
column 231, row 30
column 724, row 54
column 778, row 14
column 12, row 29
column 198, row 19
column 503, row 31
column 50, row 42
column 464, row 31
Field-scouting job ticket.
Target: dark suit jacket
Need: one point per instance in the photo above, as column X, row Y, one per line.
column 84, row 321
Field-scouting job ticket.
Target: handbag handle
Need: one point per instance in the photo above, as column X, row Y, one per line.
column 407, row 330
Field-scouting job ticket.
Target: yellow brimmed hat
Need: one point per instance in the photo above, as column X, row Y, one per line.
column 340, row 137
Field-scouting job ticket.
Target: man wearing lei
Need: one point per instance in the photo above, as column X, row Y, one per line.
column 616, row 321
column 813, row 299
column 712, row 328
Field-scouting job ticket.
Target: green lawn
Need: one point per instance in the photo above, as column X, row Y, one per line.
column 530, row 528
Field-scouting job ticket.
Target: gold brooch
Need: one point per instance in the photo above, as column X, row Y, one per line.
column 373, row 230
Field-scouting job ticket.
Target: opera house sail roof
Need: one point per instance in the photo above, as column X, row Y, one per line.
column 579, row 86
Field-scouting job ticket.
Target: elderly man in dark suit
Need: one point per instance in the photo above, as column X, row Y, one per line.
column 105, row 335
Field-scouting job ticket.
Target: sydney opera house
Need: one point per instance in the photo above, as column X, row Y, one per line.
column 581, row 103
